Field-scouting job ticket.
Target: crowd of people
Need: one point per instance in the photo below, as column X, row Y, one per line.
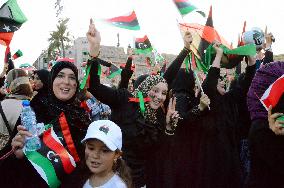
column 157, row 131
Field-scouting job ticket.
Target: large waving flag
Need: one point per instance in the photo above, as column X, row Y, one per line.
column 143, row 45
column 185, row 7
column 129, row 21
column 202, row 37
column 205, row 35
column 57, row 156
column 274, row 92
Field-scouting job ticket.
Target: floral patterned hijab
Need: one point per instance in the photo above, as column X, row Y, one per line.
column 144, row 88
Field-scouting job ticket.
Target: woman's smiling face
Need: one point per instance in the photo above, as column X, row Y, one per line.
column 158, row 95
column 64, row 85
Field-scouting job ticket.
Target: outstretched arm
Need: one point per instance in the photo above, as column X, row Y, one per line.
column 103, row 93
column 240, row 92
column 210, row 83
column 126, row 74
column 173, row 69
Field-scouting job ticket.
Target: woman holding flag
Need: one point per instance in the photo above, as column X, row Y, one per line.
column 219, row 140
column 65, row 126
column 266, row 106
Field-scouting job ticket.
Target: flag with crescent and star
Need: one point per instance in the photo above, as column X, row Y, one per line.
column 11, row 19
column 57, row 156
column 143, row 45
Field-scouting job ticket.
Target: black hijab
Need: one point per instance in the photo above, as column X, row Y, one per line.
column 77, row 116
column 43, row 75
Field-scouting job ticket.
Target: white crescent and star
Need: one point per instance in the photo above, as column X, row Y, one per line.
column 51, row 155
column 142, row 45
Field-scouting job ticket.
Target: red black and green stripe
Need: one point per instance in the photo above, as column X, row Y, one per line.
column 18, row 54
column 11, row 19
column 186, row 7
column 113, row 71
column 127, row 22
column 57, row 156
column 143, row 45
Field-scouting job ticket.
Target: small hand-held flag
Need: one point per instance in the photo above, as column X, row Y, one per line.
column 18, row 54
column 185, row 7
column 274, row 92
column 143, row 45
column 129, row 21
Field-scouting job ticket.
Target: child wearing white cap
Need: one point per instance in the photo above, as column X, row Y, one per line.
column 103, row 143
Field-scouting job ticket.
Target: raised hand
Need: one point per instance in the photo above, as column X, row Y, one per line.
column 204, row 102
column 277, row 126
column 187, row 39
column 172, row 116
column 217, row 47
column 94, row 39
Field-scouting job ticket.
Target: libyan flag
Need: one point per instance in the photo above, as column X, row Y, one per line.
column 18, row 54
column 57, row 156
column 185, row 7
column 113, row 71
column 11, row 19
column 143, row 45
column 127, row 22
column 273, row 94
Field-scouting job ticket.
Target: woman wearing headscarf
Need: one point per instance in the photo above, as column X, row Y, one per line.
column 40, row 82
column 219, row 142
column 180, row 150
column 141, row 127
column 65, row 118
column 266, row 140
column 18, row 85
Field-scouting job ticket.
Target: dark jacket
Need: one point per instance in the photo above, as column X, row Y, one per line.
column 267, row 151
column 139, row 137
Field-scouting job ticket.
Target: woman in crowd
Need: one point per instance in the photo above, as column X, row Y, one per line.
column 141, row 127
column 17, row 82
column 219, row 151
column 67, row 119
column 40, row 85
column 180, row 150
column 266, row 138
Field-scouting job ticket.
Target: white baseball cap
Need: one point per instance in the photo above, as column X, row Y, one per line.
column 107, row 132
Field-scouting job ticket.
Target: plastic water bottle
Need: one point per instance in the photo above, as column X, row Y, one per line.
column 28, row 120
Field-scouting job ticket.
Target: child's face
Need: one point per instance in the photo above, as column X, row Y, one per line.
column 99, row 158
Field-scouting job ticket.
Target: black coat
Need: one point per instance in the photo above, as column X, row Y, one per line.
column 267, row 151
column 140, row 138
column 219, row 141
